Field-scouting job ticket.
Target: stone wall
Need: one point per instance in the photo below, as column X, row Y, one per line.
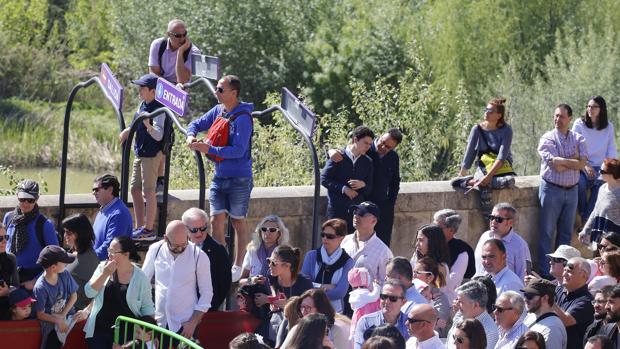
column 415, row 206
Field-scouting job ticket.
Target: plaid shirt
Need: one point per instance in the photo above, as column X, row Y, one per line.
column 555, row 144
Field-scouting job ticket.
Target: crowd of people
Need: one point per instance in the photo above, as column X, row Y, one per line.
column 351, row 291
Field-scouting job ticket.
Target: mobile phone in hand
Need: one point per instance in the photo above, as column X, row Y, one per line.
column 528, row 267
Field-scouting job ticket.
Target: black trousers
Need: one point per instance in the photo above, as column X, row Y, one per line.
column 385, row 223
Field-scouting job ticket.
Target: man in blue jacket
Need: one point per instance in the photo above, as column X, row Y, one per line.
column 232, row 184
column 113, row 218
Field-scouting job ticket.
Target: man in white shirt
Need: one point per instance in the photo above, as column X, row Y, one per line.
column 366, row 249
column 539, row 297
column 182, row 271
column 494, row 262
column 421, row 325
column 509, row 307
column 501, row 222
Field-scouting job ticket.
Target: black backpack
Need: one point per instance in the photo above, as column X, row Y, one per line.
column 162, row 47
column 38, row 229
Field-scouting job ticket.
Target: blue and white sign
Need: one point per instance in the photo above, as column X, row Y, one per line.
column 300, row 114
column 170, row 96
column 111, row 86
column 206, row 66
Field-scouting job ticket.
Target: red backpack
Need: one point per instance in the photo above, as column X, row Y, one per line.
column 217, row 135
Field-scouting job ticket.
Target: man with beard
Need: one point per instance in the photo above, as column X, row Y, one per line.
column 610, row 330
column 600, row 313
column 539, row 297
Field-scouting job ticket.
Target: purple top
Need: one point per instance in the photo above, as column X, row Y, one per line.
column 553, row 144
column 169, row 59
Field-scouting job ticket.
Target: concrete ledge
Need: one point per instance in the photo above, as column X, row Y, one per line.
column 417, row 201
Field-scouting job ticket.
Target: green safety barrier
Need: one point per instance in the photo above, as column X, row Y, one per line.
column 161, row 334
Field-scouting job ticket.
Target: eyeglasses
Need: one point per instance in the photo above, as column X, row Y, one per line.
column 4, row 238
column 500, row 309
column 328, row 236
column 111, row 252
column 498, row 219
column 413, row 321
column 529, row 296
column 195, row 230
column 96, row 189
column 30, row 201
column 219, row 89
column 593, row 106
column 176, row 248
column 178, row 35
column 427, row 273
column 599, row 301
column 306, row 308
column 558, row 260
column 390, row 297
column 271, row 230
column 460, row 340
column 490, row 110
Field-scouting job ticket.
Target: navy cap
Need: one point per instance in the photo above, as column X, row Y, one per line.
column 52, row 254
column 20, row 297
column 366, row 207
column 149, row 80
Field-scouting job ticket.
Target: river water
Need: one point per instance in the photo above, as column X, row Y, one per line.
column 78, row 180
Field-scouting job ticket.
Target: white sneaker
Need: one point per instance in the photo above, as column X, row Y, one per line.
column 236, row 273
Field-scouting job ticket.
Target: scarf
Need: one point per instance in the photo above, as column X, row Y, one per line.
column 21, row 220
column 264, row 253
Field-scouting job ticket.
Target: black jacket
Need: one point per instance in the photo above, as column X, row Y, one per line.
column 221, row 277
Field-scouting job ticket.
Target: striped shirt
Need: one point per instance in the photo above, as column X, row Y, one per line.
column 555, row 144
column 489, row 325
column 508, row 339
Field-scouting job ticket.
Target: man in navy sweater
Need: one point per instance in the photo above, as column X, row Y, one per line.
column 350, row 180
column 232, row 184
column 386, row 179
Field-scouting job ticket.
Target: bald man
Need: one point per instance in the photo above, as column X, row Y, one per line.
column 183, row 289
column 421, row 326
column 169, row 56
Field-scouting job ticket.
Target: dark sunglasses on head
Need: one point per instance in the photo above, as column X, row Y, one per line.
column 459, row 340
column 391, row 298
column 271, row 230
column 195, row 230
column 4, row 237
column 178, row 35
column 500, row 309
column 558, row 260
column 328, row 236
column 498, row 219
column 413, row 321
column 30, row 201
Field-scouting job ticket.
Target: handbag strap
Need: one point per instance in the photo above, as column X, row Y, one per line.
column 486, row 141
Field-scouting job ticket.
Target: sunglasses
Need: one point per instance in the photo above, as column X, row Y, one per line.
column 498, row 219
column 328, row 236
column 196, row 230
column 570, row 266
column 558, row 260
column 592, row 106
column 96, row 189
column 271, row 230
column 30, row 201
column 360, row 212
column 418, row 272
column 391, row 298
column 273, row 263
column 605, row 248
column 500, row 309
column 605, row 172
column 490, row 110
column 529, row 296
column 219, row 89
column 178, row 35
column 4, row 238
column 459, row 340
column 413, row 321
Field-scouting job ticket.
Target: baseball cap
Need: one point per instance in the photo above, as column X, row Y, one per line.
column 366, row 207
column 20, row 297
column 53, row 254
column 149, row 80
column 540, row 287
column 566, row 252
column 28, row 189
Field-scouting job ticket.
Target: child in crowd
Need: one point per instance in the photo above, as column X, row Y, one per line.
column 148, row 148
column 364, row 298
column 20, row 304
column 143, row 337
column 55, row 292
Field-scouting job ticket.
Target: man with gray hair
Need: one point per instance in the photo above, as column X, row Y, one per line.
column 462, row 263
column 573, row 302
column 509, row 307
column 169, row 55
column 501, row 222
column 471, row 303
column 197, row 223
column 182, row 274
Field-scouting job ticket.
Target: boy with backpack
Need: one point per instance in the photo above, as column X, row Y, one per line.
column 55, row 292
column 148, row 149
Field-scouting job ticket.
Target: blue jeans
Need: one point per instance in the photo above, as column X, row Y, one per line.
column 230, row 195
column 558, row 207
column 585, row 205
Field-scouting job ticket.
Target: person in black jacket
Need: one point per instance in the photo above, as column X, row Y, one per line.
column 386, row 178
column 197, row 222
column 349, row 181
